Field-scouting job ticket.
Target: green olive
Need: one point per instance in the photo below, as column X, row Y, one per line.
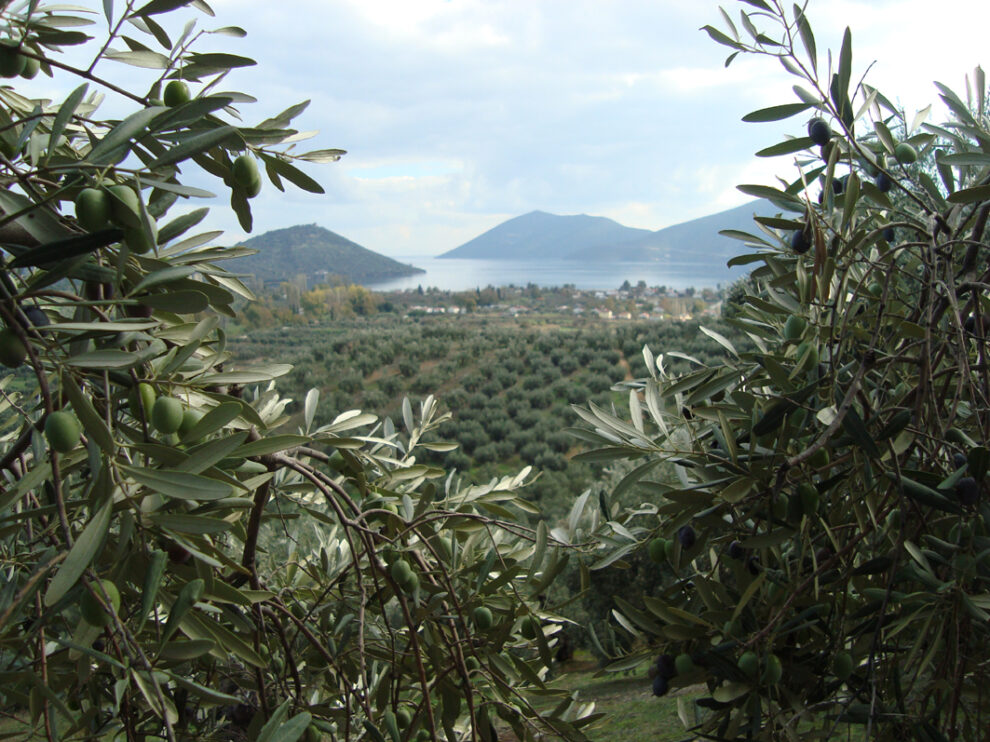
column 905, row 154
column 166, row 415
column 12, row 349
column 125, row 206
column 749, row 663
column 32, row 67
column 176, row 93
column 92, row 209
column 794, row 327
column 483, row 618
column 774, row 670
column 246, row 175
column 62, row 431
column 12, row 62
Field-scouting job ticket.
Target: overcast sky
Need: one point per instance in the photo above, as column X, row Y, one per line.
column 459, row 114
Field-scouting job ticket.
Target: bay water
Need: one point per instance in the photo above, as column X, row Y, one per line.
column 458, row 274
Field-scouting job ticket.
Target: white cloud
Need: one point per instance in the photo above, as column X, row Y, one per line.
column 460, row 114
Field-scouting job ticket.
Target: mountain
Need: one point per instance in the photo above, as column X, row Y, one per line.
column 314, row 251
column 539, row 235
column 698, row 237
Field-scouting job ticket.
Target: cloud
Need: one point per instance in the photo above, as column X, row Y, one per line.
column 457, row 114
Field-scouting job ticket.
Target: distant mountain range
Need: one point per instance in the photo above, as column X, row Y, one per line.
column 539, row 235
column 315, row 252
column 542, row 236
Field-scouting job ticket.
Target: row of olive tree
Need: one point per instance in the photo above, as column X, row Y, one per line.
column 175, row 563
column 827, row 524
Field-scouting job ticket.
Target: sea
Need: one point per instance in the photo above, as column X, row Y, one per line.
column 458, row 274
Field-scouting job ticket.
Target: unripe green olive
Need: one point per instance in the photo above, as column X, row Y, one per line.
column 404, row 576
column 809, row 352
column 12, row 62
column 141, row 400
column 819, row 459
column 12, row 349
column 125, row 206
column 794, row 327
column 749, row 663
column 657, row 550
column 166, row 415
column 684, row 664
column 138, row 240
column 842, row 665
column 482, row 618
column 246, row 175
column 809, row 496
column 62, row 431
column 32, row 67
column 530, row 627
column 189, row 419
column 92, row 209
column 905, row 154
column 176, row 93
column 774, row 670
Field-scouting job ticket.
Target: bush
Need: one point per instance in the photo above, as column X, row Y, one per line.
column 486, row 454
column 520, row 438
column 375, row 399
column 471, row 434
column 568, row 364
column 350, row 383
column 424, row 382
column 598, row 383
column 531, row 452
column 830, row 521
column 532, row 381
column 390, row 385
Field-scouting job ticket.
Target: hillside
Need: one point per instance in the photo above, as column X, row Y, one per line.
column 541, row 236
column 312, row 250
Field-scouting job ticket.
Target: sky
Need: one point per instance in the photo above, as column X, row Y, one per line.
column 460, row 114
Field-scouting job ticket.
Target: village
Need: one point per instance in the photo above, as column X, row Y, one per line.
column 645, row 303
column 294, row 303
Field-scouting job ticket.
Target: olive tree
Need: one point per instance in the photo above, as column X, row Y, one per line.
column 184, row 555
column 827, row 521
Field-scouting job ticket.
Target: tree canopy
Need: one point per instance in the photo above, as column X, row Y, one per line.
column 185, row 552
column 827, row 518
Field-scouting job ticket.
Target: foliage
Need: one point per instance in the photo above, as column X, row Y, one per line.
column 176, row 563
column 829, row 529
column 339, row 301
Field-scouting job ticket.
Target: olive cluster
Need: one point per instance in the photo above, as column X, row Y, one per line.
column 820, row 133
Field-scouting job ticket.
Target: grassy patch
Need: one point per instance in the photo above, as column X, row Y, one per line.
column 633, row 713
